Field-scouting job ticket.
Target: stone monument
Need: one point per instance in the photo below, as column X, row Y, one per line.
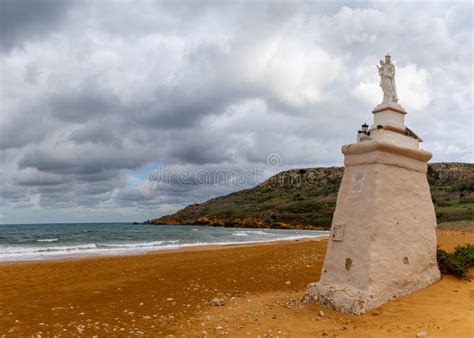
column 383, row 235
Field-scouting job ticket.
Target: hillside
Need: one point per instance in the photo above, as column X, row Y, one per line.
column 306, row 198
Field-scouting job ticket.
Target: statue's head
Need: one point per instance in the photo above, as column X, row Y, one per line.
column 387, row 58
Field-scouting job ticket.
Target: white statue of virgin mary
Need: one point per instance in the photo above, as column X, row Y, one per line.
column 387, row 80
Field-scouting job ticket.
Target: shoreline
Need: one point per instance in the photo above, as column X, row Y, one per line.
column 457, row 232
column 180, row 248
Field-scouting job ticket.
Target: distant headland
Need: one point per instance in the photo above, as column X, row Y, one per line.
column 306, row 198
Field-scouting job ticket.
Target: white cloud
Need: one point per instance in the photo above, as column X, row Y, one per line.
column 413, row 87
column 367, row 92
column 361, row 25
column 296, row 71
column 299, row 75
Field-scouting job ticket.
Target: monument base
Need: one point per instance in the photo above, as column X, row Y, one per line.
column 383, row 236
column 348, row 299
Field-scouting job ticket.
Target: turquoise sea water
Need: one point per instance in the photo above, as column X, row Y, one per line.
column 49, row 241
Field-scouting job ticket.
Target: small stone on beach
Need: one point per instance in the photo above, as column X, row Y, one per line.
column 217, row 302
column 322, row 314
column 421, row 334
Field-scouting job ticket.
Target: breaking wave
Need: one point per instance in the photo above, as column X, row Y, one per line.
column 39, row 242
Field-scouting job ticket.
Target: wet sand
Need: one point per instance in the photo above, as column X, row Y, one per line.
column 165, row 293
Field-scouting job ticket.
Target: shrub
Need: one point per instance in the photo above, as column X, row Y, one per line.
column 457, row 262
column 465, row 255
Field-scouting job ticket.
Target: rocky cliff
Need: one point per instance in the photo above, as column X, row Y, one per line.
column 306, row 198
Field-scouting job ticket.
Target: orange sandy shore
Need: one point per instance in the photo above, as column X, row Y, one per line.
column 168, row 293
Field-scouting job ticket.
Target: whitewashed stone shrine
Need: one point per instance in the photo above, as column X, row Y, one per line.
column 383, row 235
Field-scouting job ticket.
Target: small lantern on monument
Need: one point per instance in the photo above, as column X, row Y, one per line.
column 365, row 127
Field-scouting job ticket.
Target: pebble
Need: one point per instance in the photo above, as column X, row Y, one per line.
column 57, row 308
column 421, row 334
column 322, row 314
column 288, row 282
column 217, row 302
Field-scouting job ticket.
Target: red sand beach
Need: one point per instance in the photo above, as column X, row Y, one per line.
column 168, row 293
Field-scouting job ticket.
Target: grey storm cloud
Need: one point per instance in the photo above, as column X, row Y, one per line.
column 31, row 178
column 87, row 103
column 94, row 132
column 95, row 95
column 24, row 20
column 82, row 160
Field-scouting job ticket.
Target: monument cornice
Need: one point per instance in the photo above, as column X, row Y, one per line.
column 379, row 110
column 375, row 145
column 395, row 128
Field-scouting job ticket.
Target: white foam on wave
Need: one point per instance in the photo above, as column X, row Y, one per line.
column 246, row 233
column 137, row 245
column 22, row 253
column 13, row 251
column 48, row 240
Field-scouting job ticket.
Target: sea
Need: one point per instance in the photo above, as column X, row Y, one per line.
column 24, row 242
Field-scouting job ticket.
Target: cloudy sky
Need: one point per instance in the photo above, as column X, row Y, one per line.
column 128, row 110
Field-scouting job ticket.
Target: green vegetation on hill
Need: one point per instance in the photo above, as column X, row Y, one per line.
column 306, row 198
